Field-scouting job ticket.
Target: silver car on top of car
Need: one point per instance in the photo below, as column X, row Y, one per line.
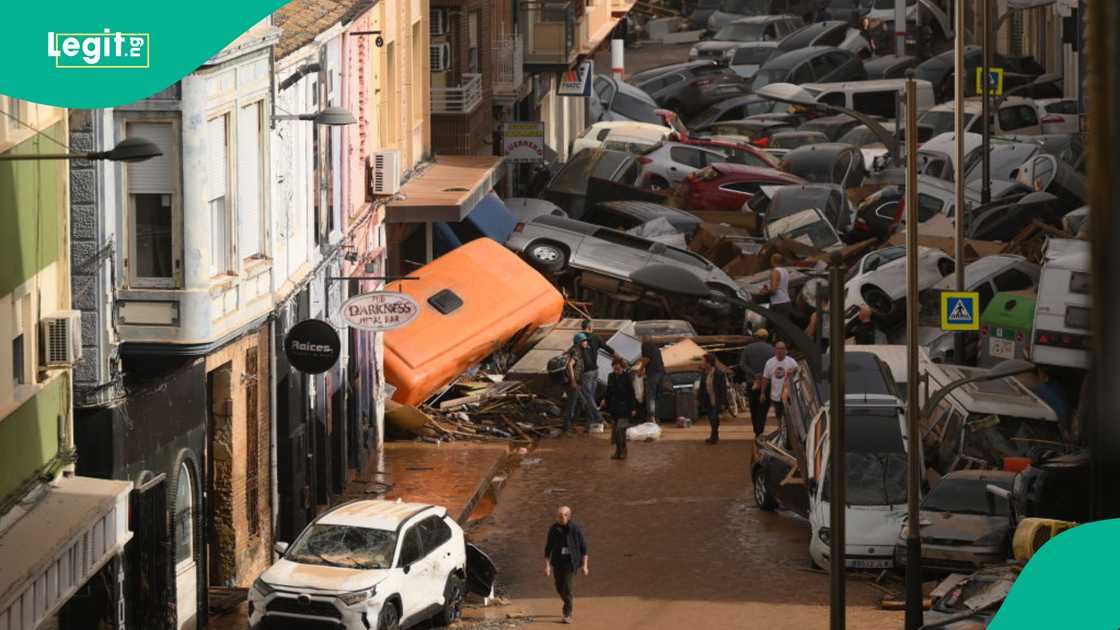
column 552, row 244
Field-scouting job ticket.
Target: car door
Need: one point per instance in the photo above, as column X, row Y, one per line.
column 415, row 583
column 613, row 253
column 683, row 161
column 1019, row 119
column 435, row 535
column 601, row 101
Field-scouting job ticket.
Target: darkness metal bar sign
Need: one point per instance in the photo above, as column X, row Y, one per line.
column 379, row 310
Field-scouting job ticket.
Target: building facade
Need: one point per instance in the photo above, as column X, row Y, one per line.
column 57, row 529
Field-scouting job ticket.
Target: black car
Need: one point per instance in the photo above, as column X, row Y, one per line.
column 878, row 215
column 736, row 108
column 818, row 64
column 691, row 69
column 787, row 200
column 831, row 163
column 1003, row 220
column 828, row 33
column 939, row 70
column 834, row 127
column 692, row 88
column 626, row 215
column 890, row 66
column 569, row 188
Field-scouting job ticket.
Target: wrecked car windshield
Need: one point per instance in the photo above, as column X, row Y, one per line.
column 806, row 227
column 967, row 496
column 344, row 546
column 992, row 438
column 876, row 459
column 740, row 32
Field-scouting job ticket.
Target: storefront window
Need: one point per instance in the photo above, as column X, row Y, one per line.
column 184, row 515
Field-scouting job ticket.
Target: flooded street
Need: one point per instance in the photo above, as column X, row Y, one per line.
column 675, row 540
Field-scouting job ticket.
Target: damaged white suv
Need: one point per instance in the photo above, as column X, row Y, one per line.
column 379, row 565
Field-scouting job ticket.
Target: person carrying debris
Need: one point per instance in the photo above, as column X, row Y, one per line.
column 864, row 329
column 565, row 552
column 653, row 367
column 596, row 343
column 621, row 403
column 753, row 363
column 583, row 378
column 779, row 370
column 712, row 394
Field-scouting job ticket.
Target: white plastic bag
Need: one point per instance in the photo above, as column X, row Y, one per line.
column 645, row 432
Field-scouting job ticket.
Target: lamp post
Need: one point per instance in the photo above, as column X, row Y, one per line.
column 914, row 615
column 837, row 431
column 330, row 116
column 958, row 184
column 127, row 150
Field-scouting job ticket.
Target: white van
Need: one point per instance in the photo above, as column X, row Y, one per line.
column 879, row 97
column 875, row 441
column 1061, row 316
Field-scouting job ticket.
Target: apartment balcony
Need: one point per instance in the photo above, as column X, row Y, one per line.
column 509, row 71
column 620, row 8
column 462, row 99
column 595, row 25
column 551, row 33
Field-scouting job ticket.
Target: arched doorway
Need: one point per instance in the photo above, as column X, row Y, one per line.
column 186, row 569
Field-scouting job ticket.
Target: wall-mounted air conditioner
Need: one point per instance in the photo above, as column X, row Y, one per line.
column 61, row 335
column 385, row 172
column 438, row 22
column 440, row 57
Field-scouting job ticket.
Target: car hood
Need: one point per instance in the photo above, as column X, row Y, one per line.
column 961, row 528
column 288, row 574
column 873, row 527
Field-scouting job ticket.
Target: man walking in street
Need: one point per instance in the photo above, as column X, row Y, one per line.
column 583, row 379
column 753, row 363
column 712, row 394
column 565, row 552
column 779, row 370
column 621, row 404
column 654, row 369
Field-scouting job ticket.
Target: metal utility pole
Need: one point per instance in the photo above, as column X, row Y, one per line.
column 838, row 464
column 985, row 110
column 960, row 201
column 914, row 449
column 900, row 27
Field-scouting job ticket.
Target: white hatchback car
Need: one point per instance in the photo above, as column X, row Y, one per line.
column 365, row 565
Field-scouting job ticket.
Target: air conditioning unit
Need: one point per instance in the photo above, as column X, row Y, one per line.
column 385, row 172
column 438, row 19
column 440, row 57
column 61, row 335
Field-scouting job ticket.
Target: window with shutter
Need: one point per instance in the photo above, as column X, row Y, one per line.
column 250, row 181
column 217, row 168
column 152, row 203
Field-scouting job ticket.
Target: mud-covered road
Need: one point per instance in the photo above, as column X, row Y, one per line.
column 675, row 537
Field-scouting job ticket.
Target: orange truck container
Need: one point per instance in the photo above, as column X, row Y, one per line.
column 472, row 300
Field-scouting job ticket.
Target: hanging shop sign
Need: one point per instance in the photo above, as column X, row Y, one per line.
column 576, row 82
column 312, row 346
column 523, row 141
column 380, row 310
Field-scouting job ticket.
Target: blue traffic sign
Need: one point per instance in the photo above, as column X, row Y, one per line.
column 960, row 311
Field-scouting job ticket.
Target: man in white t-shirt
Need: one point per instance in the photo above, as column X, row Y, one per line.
column 778, row 371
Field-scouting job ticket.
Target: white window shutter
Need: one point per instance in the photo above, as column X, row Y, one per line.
column 155, row 175
column 249, row 184
column 216, row 166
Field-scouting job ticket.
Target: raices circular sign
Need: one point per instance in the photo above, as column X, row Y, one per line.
column 380, row 310
column 312, row 346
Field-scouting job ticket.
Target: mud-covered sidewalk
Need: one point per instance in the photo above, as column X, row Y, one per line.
column 676, row 541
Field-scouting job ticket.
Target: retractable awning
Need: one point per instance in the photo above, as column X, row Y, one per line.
column 448, row 189
column 59, row 544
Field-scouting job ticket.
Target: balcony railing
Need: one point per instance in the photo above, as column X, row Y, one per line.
column 509, row 73
column 463, row 99
column 550, row 31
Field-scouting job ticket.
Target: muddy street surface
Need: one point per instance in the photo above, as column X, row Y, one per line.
column 675, row 540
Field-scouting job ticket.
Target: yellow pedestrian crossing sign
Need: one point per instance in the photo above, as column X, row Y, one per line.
column 995, row 81
column 960, row 311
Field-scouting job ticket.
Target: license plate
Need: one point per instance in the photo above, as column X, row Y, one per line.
column 870, row 564
column 1001, row 348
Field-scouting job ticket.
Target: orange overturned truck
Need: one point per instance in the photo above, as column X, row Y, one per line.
column 473, row 300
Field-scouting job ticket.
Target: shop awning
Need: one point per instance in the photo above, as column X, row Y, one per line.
column 53, row 549
column 446, row 190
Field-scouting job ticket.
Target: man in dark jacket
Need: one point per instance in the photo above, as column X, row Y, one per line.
column 565, row 552
column 622, row 404
column 712, row 395
column 753, row 361
column 651, row 365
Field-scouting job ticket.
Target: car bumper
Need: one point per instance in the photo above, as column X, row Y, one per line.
column 855, row 557
column 953, row 558
column 284, row 611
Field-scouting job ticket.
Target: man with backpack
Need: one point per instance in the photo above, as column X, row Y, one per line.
column 583, row 379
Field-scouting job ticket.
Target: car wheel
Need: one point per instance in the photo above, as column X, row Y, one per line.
column 453, row 593
column 762, row 496
column 548, row 257
column 658, row 183
column 878, row 300
column 945, row 267
column 389, row 619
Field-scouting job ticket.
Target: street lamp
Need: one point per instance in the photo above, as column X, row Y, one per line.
column 127, row 150
column 914, row 615
column 331, row 117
